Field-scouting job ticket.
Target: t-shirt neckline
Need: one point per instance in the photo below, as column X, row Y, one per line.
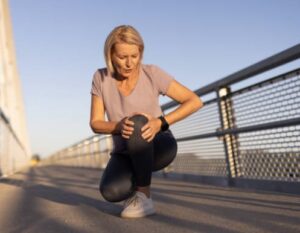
column 135, row 87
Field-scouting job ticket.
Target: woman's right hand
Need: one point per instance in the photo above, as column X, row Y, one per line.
column 126, row 127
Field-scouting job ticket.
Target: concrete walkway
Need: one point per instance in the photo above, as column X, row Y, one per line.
column 61, row 199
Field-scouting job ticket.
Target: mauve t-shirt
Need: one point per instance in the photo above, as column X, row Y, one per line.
column 152, row 82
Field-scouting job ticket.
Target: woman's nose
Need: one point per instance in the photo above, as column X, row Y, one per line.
column 128, row 62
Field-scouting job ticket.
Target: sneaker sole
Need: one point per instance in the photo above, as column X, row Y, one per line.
column 139, row 215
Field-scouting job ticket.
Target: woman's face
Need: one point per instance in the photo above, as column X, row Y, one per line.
column 126, row 59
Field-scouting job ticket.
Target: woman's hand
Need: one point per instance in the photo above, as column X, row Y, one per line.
column 151, row 128
column 125, row 127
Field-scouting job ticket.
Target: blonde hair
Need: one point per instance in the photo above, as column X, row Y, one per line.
column 121, row 34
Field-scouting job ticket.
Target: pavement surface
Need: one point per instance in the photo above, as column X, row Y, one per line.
column 60, row 199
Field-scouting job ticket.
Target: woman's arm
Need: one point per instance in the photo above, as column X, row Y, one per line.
column 189, row 102
column 99, row 125
column 97, row 118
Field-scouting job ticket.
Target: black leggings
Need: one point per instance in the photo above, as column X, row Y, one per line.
column 134, row 167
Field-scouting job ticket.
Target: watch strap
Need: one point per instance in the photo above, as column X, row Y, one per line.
column 164, row 124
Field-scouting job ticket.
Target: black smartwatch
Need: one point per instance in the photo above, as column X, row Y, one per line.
column 164, row 124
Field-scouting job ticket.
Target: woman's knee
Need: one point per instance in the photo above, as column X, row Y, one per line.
column 136, row 143
column 139, row 121
column 117, row 181
column 115, row 192
column 109, row 193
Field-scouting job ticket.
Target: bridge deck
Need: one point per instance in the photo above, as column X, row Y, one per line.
column 64, row 199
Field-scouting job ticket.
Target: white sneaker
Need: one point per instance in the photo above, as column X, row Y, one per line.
column 139, row 205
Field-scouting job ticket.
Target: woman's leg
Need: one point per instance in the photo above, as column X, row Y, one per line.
column 140, row 152
column 117, row 182
column 149, row 156
column 132, row 170
column 165, row 150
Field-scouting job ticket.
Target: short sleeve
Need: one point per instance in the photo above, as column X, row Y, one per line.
column 96, row 84
column 162, row 79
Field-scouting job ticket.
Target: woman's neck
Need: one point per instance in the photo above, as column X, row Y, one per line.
column 130, row 79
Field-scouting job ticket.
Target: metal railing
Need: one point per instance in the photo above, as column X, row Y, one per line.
column 91, row 152
column 13, row 156
column 250, row 133
column 258, row 135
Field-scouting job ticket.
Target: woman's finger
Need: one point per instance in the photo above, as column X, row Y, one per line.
column 128, row 128
column 124, row 136
column 150, row 138
column 145, row 127
column 128, row 132
column 147, row 134
column 129, row 122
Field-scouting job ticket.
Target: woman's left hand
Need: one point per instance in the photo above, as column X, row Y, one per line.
column 151, row 128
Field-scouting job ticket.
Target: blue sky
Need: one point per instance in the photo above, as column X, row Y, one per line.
column 59, row 46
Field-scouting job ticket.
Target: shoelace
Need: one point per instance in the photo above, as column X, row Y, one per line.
column 133, row 199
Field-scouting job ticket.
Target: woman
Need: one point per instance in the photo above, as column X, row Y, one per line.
column 128, row 92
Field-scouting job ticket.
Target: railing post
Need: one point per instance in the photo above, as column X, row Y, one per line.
column 226, row 112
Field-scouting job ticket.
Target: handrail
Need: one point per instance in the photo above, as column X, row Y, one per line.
column 276, row 60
